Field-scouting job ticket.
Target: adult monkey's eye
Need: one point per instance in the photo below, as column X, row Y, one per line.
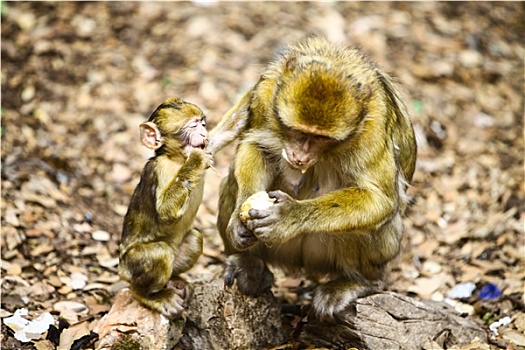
column 324, row 139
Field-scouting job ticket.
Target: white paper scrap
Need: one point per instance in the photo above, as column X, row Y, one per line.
column 28, row 330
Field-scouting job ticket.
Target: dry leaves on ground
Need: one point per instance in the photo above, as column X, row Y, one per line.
column 78, row 78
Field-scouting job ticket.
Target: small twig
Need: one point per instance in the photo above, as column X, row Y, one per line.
column 216, row 171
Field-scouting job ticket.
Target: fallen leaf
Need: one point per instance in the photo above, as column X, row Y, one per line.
column 64, row 290
column 92, row 286
column 475, row 344
column 471, row 274
column 11, row 217
column 69, row 335
column 42, row 249
column 462, row 290
column 44, row 201
column 101, row 236
column 425, row 287
column 515, row 337
column 461, row 308
column 109, row 262
column 26, row 330
column 489, row 265
column 120, row 173
column 78, row 280
column 519, row 322
column 12, row 237
column 14, row 269
column 120, row 209
column 44, row 345
column 90, row 250
column 432, row 267
column 108, row 278
column 70, row 305
column 70, row 316
column 40, row 289
column 5, row 313
column 54, row 281
column 83, row 227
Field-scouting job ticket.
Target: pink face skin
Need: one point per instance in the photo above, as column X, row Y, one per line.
column 302, row 150
column 194, row 133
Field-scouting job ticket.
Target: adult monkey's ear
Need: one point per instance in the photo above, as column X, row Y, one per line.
column 150, row 135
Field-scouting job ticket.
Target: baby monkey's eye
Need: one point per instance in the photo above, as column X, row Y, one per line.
column 197, row 122
column 323, row 138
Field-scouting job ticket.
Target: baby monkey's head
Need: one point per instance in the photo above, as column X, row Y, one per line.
column 175, row 125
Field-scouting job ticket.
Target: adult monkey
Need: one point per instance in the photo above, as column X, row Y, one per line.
column 329, row 138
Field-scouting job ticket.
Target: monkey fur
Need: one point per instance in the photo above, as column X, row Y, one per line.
column 328, row 136
column 158, row 242
column 231, row 125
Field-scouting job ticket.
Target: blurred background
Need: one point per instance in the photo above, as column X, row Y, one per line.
column 79, row 77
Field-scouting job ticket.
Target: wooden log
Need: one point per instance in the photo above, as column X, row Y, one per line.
column 222, row 318
column 215, row 318
column 392, row 321
column 130, row 326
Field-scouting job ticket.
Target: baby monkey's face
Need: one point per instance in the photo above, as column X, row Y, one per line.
column 194, row 133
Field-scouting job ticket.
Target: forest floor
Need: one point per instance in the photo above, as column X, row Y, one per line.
column 78, row 78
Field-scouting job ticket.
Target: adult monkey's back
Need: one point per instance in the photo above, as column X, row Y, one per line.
column 327, row 136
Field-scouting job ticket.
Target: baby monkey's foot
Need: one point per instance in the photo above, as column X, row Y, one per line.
column 170, row 301
column 180, row 287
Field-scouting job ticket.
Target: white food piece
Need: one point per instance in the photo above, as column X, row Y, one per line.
column 259, row 200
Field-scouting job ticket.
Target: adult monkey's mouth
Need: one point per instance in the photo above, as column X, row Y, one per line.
column 285, row 156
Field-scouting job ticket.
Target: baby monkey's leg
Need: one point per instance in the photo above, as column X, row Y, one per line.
column 148, row 267
column 189, row 251
column 186, row 256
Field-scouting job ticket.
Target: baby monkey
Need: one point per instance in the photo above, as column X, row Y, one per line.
column 158, row 242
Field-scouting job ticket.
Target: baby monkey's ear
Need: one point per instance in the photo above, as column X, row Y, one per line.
column 150, row 135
